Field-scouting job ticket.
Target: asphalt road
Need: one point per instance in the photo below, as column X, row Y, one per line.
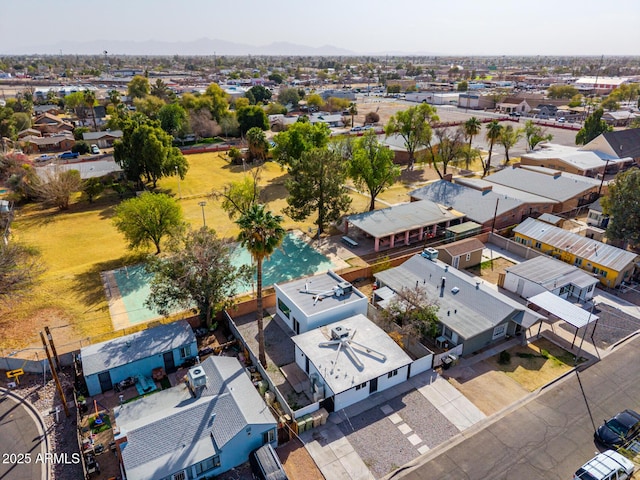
column 549, row 437
column 20, row 442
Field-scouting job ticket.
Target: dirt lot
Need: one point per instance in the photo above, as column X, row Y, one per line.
column 492, row 386
column 490, row 272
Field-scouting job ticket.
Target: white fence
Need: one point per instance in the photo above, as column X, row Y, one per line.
column 437, row 359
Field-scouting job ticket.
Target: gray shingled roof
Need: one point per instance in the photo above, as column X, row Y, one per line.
column 93, row 136
column 626, row 143
column 476, row 205
column 171, row 429
column 400, row 218
column 551, row 273
column 104, row 356
column 473, row 310
column 588, row 249
column 556, row 187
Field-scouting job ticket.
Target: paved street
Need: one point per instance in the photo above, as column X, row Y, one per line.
column 549, row 437
column 20, row 442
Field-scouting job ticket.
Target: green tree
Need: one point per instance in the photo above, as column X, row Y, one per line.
column 372, row 166
column 138, row 87
column 471, row 128
column 56, row 188
column 149, row 105
column 508, row 138
column 260, row 94
column 238, row 197
column 535, row 134
column 92, row 187
column 89, row 102
column 593, row 126
column 492, row 135
column 315, row 101
column 622, row 204
column 298, row 138
column 449, row 150
column 463, row 86
column 257, row 142
column 147, row 219
column 414, row 312
column 146, row 151
column 173, row 119
column 114, row 98
column 74, row 102
column 562, row 91
column 218, row 103
column 198, row 272
column 288, row 96
column 576, row 100
column 252, row 116
column 317, row 184
column 414, row 127
column 261, row 233
column 610, row 104
column 159, row 89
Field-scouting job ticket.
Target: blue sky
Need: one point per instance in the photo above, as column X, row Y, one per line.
column 458, row 27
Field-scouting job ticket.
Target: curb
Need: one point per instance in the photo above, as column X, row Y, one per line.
column 31, row 410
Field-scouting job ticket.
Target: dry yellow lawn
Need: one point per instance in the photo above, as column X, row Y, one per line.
column 536, row 364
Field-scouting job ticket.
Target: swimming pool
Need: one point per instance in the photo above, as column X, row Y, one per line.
column 294, row 259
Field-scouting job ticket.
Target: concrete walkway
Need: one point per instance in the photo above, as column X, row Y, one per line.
column 336, row 457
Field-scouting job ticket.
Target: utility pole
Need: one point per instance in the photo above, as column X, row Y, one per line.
column 53, row 347
column 55, row 376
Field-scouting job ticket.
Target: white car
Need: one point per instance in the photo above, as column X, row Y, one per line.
column 608, row 465
column 43, row 158
column 95, row 150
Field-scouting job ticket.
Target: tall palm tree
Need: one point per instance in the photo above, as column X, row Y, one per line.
column 494, row 130
column 471, row 128
column 261, row 233
column 353, row 111
column 89, row 101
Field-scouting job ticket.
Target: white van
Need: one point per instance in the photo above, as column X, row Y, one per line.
column 608, row 465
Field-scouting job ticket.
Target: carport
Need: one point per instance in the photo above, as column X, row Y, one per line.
column 564, row 310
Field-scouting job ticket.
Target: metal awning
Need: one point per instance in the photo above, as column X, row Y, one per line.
column 563, row 309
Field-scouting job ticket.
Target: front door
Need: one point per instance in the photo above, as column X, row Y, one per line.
column 169, row 363
column 105, row 381
column 328, row 404
column 373, row 385
column 456, row 262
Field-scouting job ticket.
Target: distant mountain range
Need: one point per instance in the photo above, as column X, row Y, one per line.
column 202, row 46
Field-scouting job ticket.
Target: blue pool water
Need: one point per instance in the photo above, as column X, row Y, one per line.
column 294, row 259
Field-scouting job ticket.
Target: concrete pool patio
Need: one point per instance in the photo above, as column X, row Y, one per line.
column 125, row 311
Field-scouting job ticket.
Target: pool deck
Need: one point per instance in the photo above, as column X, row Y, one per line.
column 117, row 309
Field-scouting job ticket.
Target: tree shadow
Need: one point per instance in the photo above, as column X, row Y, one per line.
column 88, row 286
column 275, row 190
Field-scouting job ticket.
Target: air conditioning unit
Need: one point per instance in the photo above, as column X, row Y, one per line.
column 197, row 377
column 346, row 287
column 430, row 253
column 339, row 332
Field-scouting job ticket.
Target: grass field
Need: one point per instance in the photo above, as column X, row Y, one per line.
column 78, row 244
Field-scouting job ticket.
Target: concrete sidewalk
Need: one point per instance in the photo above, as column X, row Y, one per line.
column 337, row 458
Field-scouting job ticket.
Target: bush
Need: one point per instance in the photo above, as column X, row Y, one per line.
column 81, row 148
column 371, row 117
column 504, row 357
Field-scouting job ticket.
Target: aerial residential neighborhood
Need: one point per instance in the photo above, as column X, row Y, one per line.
column 228, row 261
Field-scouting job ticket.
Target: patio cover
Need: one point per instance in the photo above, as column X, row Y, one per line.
column 563, row 309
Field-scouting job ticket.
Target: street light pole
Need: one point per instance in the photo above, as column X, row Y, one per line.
column 204, row 221
column 603, row 175
column 179, row 191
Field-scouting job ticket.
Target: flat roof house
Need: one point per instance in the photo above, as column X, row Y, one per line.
column 197, row 429
column 166, row 346
column 612, row 265
column 541, row 274
column 471, row 314
column 352, row 359
column 313, row 302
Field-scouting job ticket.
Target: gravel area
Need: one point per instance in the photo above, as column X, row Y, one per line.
column 62, row 434
column 613, row 325
column 382, row 445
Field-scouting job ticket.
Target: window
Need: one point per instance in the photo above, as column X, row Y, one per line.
column 603, row 273
column 207, row 464
column 590, row 288
column 499, row 331
column 468, row 257
column 268, row 436
column 179, row 476
column 185, row 352
column 361, row 386
column 392, row 374
column 283, row 308
column 578, row 262
column 538, row 245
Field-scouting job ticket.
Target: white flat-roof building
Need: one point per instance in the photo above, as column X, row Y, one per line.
column 350, row 360
column 316, row 301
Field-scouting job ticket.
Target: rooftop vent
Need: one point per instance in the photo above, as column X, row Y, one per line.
column 338, row 332
column 455, row 290
column 430, row 253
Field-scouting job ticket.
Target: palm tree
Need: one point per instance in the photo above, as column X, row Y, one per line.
column 261, row 233
column 257, row 142
column 494, row 129
column 353, row 111
column 508, row 138
column 471, row 128
column 89, row 101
